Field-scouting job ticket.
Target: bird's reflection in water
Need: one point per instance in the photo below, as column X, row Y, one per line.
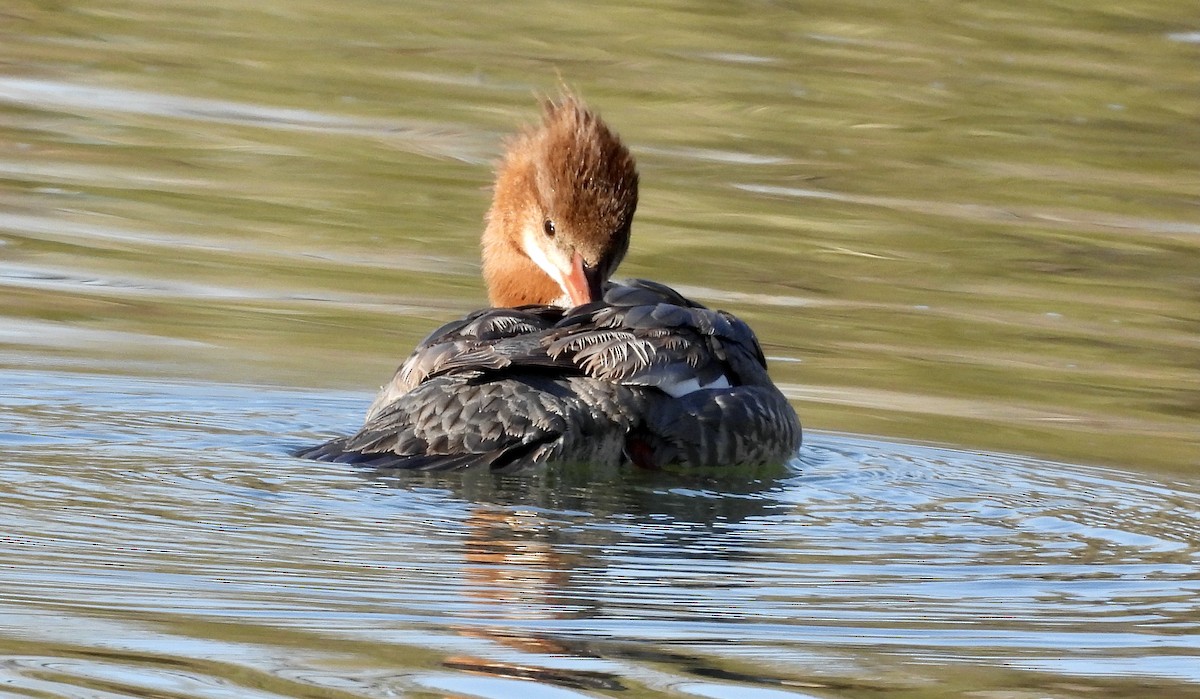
column 537, row 548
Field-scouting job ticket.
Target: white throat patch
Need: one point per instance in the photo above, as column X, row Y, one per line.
column 530, row 243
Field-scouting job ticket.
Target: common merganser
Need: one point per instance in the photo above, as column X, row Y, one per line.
column 569, row 367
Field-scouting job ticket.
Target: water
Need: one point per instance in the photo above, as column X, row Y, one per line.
column 222, row 225
column 159, row 539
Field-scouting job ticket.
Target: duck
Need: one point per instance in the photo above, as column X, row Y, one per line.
column 567, row 366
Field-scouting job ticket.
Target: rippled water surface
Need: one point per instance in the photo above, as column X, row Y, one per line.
column 159, row 539
column 965, row 224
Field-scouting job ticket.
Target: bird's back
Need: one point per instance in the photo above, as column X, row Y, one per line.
column 645, row 376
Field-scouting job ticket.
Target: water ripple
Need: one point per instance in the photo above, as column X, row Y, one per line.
column 433, row 139
column 130, row 497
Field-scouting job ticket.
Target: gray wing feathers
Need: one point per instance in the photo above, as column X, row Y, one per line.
column 744, row 425
column 488, row 339
column 649, row 335
column 450, row 422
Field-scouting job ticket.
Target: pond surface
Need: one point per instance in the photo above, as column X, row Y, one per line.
column 160, row 543
column 971, row 230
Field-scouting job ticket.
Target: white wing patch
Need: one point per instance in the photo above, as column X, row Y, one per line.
column 680, row 389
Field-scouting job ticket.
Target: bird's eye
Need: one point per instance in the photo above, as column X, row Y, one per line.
column 548, row 226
